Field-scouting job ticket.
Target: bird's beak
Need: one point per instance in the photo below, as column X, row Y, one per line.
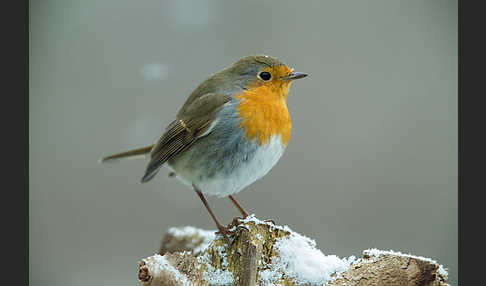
column 294, row 75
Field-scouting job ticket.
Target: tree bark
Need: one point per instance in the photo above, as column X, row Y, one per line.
column 189, row 256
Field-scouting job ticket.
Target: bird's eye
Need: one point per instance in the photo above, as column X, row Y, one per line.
column 266, row 76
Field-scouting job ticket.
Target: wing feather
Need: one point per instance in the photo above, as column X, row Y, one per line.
column 183, row 132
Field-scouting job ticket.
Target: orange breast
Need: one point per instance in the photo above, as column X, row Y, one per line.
column 264, row 113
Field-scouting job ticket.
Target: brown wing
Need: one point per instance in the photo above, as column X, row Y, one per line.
column 190, row 125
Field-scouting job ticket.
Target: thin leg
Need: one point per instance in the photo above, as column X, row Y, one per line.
column 242, row 211
column 220, row 227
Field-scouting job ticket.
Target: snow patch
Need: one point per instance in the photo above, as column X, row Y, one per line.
column 254, row 219
column 259, row 237
column 216, row 276
column 375, row 253
column 165, row 265
column 300, row 259
column 208, row 236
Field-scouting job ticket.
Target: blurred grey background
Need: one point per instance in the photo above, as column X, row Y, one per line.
column 372, row 160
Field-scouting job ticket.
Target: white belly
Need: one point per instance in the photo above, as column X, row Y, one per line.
column 223, row 184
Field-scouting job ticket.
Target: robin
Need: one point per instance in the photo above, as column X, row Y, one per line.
column 230, row 132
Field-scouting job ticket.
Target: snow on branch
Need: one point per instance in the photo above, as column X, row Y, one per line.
column 262, row 253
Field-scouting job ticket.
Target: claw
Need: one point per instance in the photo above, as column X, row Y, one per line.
column 225, row 233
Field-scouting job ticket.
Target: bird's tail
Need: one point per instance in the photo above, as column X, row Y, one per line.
column 127, row 154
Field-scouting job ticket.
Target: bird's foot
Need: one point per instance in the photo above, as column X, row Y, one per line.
column 225, row 233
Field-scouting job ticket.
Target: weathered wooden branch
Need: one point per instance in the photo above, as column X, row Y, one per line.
column 262, row 253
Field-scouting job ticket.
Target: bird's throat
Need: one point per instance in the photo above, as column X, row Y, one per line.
column 264, row 113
